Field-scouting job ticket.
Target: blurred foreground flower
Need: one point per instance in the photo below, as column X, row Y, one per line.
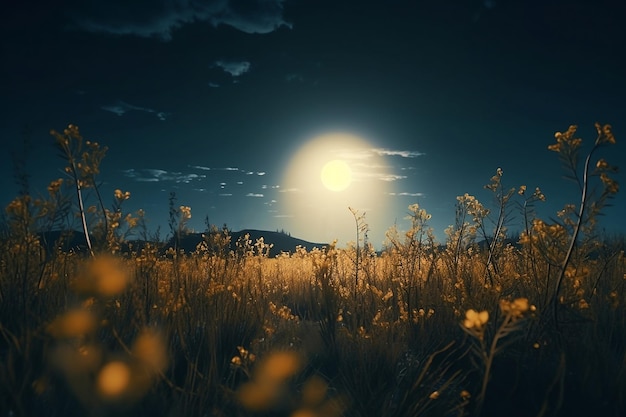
column 475, row 320
column 73, row 323
column 269, row 378
column 104, row 276
column 113, row 380
column 515, row 308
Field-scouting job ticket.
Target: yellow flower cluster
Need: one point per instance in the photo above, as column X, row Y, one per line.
column 565, row 141
column 611, row 186
column 475, row 320
column 605, row 134
column 515, row 308
column 121, row 196
column 473, row 207
column 537, row 195
column 185, row 212
column 55, row 186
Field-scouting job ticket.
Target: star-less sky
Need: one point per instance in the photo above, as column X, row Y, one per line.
column 233, row 105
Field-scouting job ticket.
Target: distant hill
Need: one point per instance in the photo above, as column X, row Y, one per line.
column 282, row 242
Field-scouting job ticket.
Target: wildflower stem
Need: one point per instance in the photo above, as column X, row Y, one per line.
column 575, row 233
column 488, row 357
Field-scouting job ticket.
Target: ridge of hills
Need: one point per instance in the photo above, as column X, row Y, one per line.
column 280, row 241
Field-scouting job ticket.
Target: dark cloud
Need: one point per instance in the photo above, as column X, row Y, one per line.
column 120, row 108
column 234, row 68
column 158, row 18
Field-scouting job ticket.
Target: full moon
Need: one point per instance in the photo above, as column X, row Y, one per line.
column 327, row 174
column 336, row 175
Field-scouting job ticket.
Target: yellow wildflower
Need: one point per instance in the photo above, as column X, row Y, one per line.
column 475, row 319
column 515, row 308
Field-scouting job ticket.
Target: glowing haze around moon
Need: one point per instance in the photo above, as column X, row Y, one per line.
column 336, row 175
column 328, row 174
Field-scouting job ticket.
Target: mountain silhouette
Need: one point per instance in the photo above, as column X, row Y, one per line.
column 280, row 241
column 70, row 240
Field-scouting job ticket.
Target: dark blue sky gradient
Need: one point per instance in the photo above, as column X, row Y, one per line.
column 471, row 85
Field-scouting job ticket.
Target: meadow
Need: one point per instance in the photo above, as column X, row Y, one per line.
column 482, row 324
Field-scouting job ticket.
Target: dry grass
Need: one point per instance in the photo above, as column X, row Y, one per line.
column 536, row 328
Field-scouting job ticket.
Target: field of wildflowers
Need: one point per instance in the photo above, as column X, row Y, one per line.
column 482, row 324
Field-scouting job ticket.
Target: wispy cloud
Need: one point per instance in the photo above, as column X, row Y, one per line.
column 204, row 168
column 159, row 175
column 159, row 18
column 121, row 108
column 405, row 194
column 391, row 152
column 363, row 154
column 290, row 190
column 234, row 68
column 391, row 177
column 373, row 175
column 256, row 195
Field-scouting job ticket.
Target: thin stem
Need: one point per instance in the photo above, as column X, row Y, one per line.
column 576, row 232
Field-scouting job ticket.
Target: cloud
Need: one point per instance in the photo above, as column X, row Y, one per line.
column 290, row 190
column 403, row 154
column 390, row 177
column 234, row 68
column 403, row 194
column 380, row 176
column 362, row 154
column 121, row 107
column 256, row 195
column 159, row 18
column 159, row 175
column 203, row 168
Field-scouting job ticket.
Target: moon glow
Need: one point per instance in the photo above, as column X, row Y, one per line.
column 327, row 174
column 336, row 175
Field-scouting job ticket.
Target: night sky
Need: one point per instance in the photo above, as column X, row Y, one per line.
column 237, row 105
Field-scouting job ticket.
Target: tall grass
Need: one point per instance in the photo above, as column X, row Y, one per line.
column 532, row 327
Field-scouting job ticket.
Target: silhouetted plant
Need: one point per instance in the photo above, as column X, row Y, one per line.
column 582, row 219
